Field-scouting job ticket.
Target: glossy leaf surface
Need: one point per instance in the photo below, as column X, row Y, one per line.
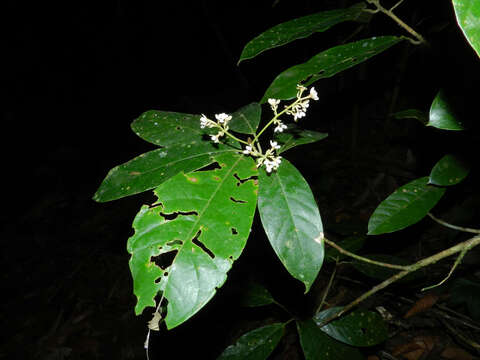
column 292, row 221
column 327, row 64
column 357, row 328
column 246, row 119
column 406, row 206
column 421, row 116
column 294, row 136
column 202, row 220
column 299, row 28
column 316, row 344
column 449, row 170
column 154, row 167
column 256, row 344
column 468, row 18
column 442, row 116
column 256, row 295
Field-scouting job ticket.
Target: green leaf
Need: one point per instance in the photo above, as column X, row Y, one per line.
column 154, row 167
column 450, row 170
column 352, row 243
column 256, row 295
column 442, row 116
column 164, row 128
column 419, row 115
column 292, row 221
column 298, row 29
column 294, row 136
column 406, row 206
column 316, row 344
column 326, row 64
column 246, row 119
column 468, row 18
column 383, row 273
column 357, row 328
column 203, row 219
column 256, row 344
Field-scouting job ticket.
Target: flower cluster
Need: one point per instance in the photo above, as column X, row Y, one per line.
column 269, row 159
column 221, row 124
column 299, row 108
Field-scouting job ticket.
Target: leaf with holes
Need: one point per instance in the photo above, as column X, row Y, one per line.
column 406, row 206
column 299, row 28
column 357, row 328
column 256, row 295
column 154, row 167
column 256, row 344
column 449, row 170
column 468, row 19
column 294, row 136
column 327, row 64
column 202, row 220
column 318, row 345
column 292, row 221
column 246, row 119
column 442, row 115
column 419, row 115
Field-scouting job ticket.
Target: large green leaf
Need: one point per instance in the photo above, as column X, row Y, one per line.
column 168, row 128
column 449, row 170
column 294, row 136
column 256, row 295
column 256, row 344
column 246, row 119
column 154, row 167
column 203, row 219
column 442, row 115
column 292, row 221
column 468, row 18
column 406, row 206
column 298, row 29
column 316, row 344
column 357, row 328
column 327, row 64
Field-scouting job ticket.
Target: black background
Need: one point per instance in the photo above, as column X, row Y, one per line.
column 75, row 74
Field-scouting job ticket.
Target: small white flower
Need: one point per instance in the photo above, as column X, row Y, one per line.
column 204, row 122
column 313, row 93
column 248, row 150
column 274, row 145
column 214, row 138
column 301, row 88
column 280, row 127
column 223, row 118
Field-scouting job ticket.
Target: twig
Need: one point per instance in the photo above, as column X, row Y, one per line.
column 471, row 243
column 390, row 14
column 361, row 258
column 327, row 290
column 454, row 227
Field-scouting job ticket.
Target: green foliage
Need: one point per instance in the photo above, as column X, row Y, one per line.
column 357, row 328
column 213, row 212
column 256, row 295
column 406, row 206
column 292, row 222
column 442, row 115
column 294, row 136
column 256, row 344
column 299, row 28
column 412, row 114
column 246, row 119
column 449, row 170
column 327, row 64
column 468, row 18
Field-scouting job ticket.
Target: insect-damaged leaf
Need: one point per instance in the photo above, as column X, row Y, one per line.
column 292, row 221
column 203, row 219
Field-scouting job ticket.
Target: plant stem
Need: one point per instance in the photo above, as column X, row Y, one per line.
column 390, row 14
column 327, row 290
column 468, row 244
column 361, row 258
column 454, row 227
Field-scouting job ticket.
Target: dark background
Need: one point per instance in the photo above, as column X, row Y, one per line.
column 75, row 74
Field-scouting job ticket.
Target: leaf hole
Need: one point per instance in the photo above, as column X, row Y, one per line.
column 175, row 242
column 178, row 127
column 241, row 181
column 363, row 330
column 164, row 260
column 202, row 245
column 234, row 231
column 174, row 215
column 237, row 201
column 213, row 166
